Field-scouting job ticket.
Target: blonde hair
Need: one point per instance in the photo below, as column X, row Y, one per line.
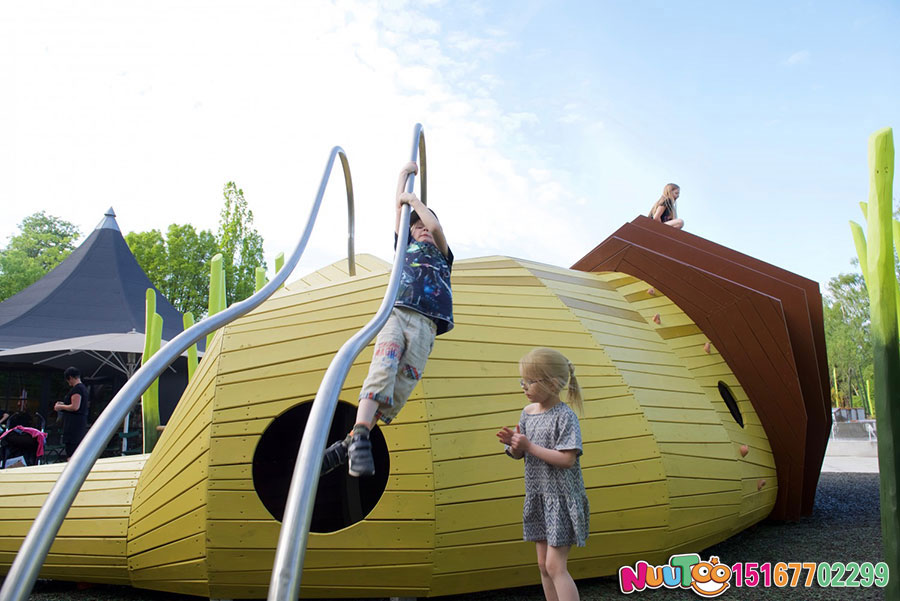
column 666, row 198
column 548, row 364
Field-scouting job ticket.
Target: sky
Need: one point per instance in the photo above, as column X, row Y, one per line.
column 548, row 125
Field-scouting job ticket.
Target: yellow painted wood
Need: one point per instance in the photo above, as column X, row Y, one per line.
column 76, row 528
column 184, row 485
column 190, row 548
column 463, row 472
column 660, row 448
column 183, row 571
column 513, row 553
column 105, row 575
column 263, row 559
column 198, row 588
column 189, row 524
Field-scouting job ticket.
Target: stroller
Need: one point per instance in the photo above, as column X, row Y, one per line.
column 22, row 443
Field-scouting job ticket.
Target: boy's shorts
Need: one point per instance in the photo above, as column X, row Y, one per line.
column 398, row 362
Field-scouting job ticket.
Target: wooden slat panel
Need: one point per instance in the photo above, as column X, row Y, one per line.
column 492, row 512
column 264, row 559
column 463, row 472
column 187, row 549
column 514, row 553
column 185, row 571
column 191, row 523
column 362, row 576
column 69, row 547
column 372, row 535
column 475, row 443
column 151, row 515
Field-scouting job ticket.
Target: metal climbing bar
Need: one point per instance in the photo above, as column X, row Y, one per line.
column 289, row 556
column 24, row 570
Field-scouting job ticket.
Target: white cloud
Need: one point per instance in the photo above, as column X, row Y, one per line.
column 798, row 58
column 124, row 105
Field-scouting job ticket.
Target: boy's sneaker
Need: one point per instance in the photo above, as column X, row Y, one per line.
column 361, row 461
column 335, row 456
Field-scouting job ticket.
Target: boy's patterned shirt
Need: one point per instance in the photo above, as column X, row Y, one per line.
column 425, row 284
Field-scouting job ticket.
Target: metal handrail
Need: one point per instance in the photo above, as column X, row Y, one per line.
column 24, row 570
column 291, row 551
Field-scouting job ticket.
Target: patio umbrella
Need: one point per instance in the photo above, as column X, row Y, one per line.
column 90, row 354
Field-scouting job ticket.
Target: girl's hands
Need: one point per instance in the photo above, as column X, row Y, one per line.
column 518, row 442
column 505, row 435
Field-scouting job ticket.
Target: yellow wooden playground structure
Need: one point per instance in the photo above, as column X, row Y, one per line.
column 704, row 412
column 662, row 460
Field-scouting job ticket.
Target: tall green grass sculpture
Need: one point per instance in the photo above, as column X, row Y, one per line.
column 216, row 291
column 188, row 320
column 261, row 280
column 150, row 399
column 876, row 259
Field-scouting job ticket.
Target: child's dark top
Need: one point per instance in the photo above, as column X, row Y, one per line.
column 425, row 283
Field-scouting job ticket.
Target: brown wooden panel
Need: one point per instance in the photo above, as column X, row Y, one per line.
column 802, row 304
column 772, row 280
column 700, row 276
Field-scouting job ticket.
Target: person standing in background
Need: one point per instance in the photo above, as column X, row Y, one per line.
column 74, row 411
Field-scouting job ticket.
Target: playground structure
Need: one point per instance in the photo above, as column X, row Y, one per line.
column 704, row 413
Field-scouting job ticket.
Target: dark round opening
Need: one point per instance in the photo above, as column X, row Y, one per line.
column 732, row 405
column 340, row 499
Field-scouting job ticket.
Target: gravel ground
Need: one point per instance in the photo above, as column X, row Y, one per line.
column 845, row 526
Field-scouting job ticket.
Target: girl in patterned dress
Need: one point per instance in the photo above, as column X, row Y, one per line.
column 548, row 437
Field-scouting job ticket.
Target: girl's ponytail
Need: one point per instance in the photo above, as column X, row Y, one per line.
column 573, row 396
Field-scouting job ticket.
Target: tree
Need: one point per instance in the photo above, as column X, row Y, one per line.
column 43, row 242
column 190, row 252
column 847, row 331
column 240, row 244
column 149, row 248
column 177, row 264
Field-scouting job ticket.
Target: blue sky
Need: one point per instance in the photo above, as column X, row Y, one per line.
column 549, row 124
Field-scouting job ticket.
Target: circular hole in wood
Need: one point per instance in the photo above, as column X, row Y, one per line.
column 341, row 500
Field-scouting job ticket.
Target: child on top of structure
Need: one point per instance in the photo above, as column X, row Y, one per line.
column 423, row 310
column 664, row 211
column 556, row 513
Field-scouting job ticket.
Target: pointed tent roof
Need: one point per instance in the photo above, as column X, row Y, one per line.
column 98, row 289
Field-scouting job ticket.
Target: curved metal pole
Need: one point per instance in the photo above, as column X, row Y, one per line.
column 24, row 570
column 288, row 569
column 351, row 218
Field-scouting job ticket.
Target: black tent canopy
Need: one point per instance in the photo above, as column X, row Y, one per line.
column 98, row 289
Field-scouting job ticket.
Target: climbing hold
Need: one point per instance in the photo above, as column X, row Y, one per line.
column 744, row 450
column 760, row 483
column 656, row 318
column 651, row 291
column 706, row 348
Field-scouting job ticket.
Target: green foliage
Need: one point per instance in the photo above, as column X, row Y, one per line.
column 240, row 244
column 177, row 263
column 849, row 339
column 42, row 243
